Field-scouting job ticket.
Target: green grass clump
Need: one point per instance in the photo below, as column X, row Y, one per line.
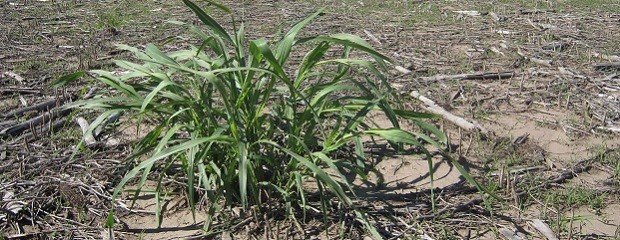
column 32, row 65
column 577, row 196
column 110, row 18
column 249, row 126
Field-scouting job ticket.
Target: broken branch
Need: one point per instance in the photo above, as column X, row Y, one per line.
column 607, row 65
column 473, row 76
column 431, row 106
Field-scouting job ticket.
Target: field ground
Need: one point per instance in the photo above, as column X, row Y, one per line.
column 551, row 151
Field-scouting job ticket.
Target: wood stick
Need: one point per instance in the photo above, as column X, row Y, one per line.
column 607, row 65
column 111, row 119
column 7, row 123
column 44, row 106
column 535, row 11
column 541, row 62
column 372, row 37
column 510, row 234
column 496, row 17
column 610, row 129
column 50, row 127
column 611, row 58
column 431, row 106
column 14, row 76
column 402, row 70
column 20, row 128
column 19, row 90
column 89, row 139
column 451, row 209
column 544, row 229
column 473, row 76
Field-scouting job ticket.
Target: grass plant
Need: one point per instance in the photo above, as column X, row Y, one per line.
column 252, row 127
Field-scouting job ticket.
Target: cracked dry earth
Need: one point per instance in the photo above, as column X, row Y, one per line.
column 539, row 80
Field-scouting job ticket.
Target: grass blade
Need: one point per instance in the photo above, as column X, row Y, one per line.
column 207, row 20
column 64, row 80
column 243, row 173
column 284, row 46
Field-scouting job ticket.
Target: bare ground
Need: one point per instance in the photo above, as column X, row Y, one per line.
column 551, row 151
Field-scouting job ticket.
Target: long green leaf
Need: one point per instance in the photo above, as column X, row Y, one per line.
column 159, row 56
column 320, row 95
column 309, row 61
column 394, row 134
column 263, row 46
column 284, row 45
column 67, row 79
column 243, row 173
column 132, row 66
column 139, row 54
column 207, row 20
column 346, row 40
column 147, row 100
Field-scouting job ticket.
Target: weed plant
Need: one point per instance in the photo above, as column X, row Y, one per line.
column 249, row 126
